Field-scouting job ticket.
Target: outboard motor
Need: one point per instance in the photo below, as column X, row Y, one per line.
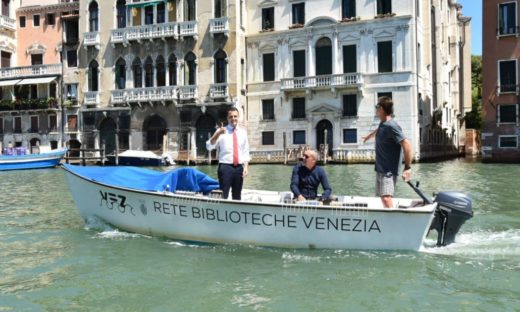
column 452, row 211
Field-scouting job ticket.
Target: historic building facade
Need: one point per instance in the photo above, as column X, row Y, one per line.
column 316, row 69
column 500, row 87
column 31, row 73
column 158, row 75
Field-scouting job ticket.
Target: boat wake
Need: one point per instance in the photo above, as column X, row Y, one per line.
column 107, row 231
column 480, row 244
column 116, row 234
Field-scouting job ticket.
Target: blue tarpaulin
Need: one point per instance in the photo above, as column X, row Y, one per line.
column 182, row 179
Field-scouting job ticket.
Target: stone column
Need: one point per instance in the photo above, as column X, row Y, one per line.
column 193, row 138
column 335, row 52
column 311, row 70
column 398, row 47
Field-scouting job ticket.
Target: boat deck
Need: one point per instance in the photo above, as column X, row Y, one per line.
column 338, row 202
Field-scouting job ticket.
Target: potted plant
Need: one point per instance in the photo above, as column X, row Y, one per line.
column 385, row 15
column 267, row 26
column 350, row 19
column 6, row 105
column 67, row 103
column 51, row 102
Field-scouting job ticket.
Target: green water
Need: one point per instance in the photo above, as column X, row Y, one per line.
column 49, row 261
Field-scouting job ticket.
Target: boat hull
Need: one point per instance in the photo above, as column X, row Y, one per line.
column 33, row 161
column 210, row 220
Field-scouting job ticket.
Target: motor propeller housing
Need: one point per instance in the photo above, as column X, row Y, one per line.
column 453, row 209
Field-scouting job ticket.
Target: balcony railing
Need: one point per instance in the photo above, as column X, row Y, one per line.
column 27, row 71
column 7, row 23
column 337, row 80
column 219, row 25
column 144, row 32
column 91, row 39
column 151, row 94
column 188, row 92
column 218, row 90
column 187, row 29
column 91, row 98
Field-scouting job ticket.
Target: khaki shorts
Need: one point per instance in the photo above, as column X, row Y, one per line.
column 385, row 184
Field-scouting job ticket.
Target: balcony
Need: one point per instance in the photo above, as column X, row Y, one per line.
column 91, row 39
column 152, row 94
column 218, row 90
column 188, row 29
column 7, row 23
column 30, row 71
column 188, row 92
column 219, row 26
column 145, row 32
column 91, row 98
column 321, row 82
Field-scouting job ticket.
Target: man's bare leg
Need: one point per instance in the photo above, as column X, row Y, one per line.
column 387, row 201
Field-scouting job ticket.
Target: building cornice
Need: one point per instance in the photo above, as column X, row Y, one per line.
column 396, row 21
column 46, row 8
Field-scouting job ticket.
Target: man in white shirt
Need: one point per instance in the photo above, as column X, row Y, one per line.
column 233, row 156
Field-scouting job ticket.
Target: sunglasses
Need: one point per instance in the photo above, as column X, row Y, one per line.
column 378, row 106
column 306, row 156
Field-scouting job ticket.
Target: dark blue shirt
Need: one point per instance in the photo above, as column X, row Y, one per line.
column 388, row 147
column 305, row 182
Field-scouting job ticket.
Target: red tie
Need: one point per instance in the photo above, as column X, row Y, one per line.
column 235, row 148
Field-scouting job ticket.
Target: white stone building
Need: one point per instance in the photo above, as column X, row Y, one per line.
column 318, row 66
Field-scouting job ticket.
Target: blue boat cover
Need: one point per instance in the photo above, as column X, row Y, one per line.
column 181, row 179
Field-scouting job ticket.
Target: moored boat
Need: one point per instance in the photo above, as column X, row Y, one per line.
column 183, row 204
column 31, row 161
column 140, row 159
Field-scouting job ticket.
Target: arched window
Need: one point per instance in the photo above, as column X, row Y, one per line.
column 190, row 69
column 93, row 76
column 93, row 16
column 324, row 56
column 148, row 73
column 160, row 71
column 161, row 13
column 138, row 73
column 121, row 13
column 172, row 70
column 120, row 74
column 220, row 67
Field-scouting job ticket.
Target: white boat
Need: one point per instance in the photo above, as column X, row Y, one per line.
column 152, row 203
column 140, row 158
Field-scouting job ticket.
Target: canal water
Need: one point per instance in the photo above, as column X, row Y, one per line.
column 49, row 260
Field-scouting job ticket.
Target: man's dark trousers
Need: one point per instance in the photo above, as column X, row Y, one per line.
column 230, row 176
